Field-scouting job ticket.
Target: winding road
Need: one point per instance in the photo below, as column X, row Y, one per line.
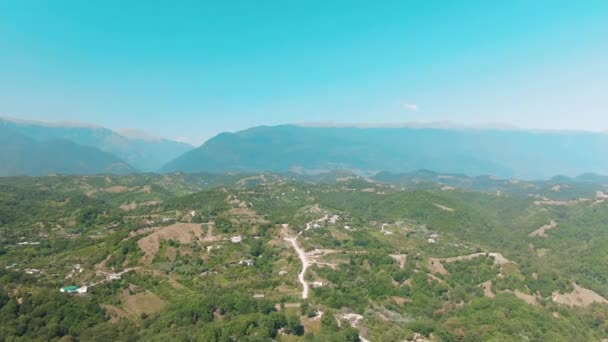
column 305, row 264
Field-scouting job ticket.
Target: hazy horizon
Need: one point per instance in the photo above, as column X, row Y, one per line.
column 139, row 133
column 187, row 72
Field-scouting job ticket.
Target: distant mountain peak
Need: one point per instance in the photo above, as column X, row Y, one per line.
column 505, row 153
column 413, row 124
column 66, row 124
column 141, row 150
column 137, row 134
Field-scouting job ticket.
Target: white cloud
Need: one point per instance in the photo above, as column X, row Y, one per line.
column 412, row 107
column 182, row 139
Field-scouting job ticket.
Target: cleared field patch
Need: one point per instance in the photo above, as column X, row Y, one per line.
column 578, row 297
column 142, row 302
column 182, row 232
column 116, row 189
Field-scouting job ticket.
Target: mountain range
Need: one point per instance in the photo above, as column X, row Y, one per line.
column 32, row 148
column 21, row 155
column 502, row 153
column 138, row 152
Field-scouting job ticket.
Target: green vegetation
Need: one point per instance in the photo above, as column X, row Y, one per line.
column 203, row 258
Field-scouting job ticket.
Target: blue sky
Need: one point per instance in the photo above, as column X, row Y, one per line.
column 191, row 69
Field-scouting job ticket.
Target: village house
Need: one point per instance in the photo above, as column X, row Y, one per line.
column 69, row 289
column 247, row 262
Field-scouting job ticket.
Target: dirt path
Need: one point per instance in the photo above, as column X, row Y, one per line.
column 209, row 236
column 112, row 276
column 542, row 231
column 443, row 207
column 305, row 264
column 102, row 265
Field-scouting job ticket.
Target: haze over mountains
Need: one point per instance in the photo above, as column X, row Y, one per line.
column 21, row 155
column 31, row 148
column 502, row 153
column 141, row 153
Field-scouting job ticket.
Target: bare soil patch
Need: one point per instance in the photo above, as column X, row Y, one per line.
column 399, row 258
column 182, row 232
column 151, row 203
column 142, row 302
column 530, row 299
column 116, row 189
column 436, row 266
column 578, row 297
column 542, row 231
column 546, row 201
column 499, row 259
column 128, row 206
column 88, row 189
column 443, row 207
column 146, row 189
column 487, row 289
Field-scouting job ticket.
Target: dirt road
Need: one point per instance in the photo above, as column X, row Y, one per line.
column 305, row 264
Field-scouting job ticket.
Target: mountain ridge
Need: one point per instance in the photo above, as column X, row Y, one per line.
column 142, row 154
column 22, row 155
column 503, row 153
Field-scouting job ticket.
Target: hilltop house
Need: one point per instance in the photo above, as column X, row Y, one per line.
column 69, row 289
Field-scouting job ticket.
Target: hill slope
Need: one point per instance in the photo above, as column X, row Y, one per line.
column 522, row 154
column 161, row 260
column 144, row 153
column 20, row 155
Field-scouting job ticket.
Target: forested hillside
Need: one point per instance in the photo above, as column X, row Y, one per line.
column 20, row 155
column 142, row 152
column 220, row 258
column 502, row 153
